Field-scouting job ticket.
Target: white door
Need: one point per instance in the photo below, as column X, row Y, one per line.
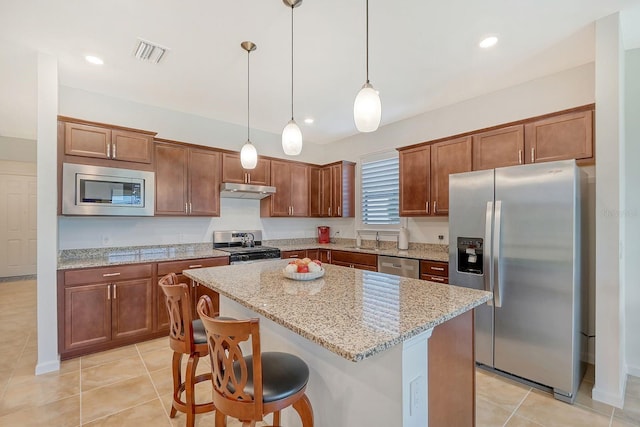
column 17, row 225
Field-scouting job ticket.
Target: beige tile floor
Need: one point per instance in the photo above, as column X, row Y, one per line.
column 131, row 386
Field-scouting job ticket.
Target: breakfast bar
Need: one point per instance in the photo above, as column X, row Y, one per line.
column 364, row 335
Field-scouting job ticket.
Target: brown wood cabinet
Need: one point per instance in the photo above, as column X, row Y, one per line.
column 291, row 180
column 324, row 255
column 232, row 171
column 424, row 175
column 358, row 260
column 498, row 148
column 301, row 253
column 109, row 143
column 332, row 189
column 560, row 137
column 187, row 180
column 196, row 290
column 101, row 308
column 434, row 271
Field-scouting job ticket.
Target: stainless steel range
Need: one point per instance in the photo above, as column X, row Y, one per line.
column 244, row 246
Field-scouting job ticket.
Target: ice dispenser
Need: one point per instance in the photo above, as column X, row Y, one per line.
column 470, row 255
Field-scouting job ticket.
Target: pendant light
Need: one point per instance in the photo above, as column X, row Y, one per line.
column 291, row 134
column 248, row 154
column 367, row 108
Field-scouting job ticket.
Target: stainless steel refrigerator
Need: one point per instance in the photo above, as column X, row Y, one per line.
column 516, row 231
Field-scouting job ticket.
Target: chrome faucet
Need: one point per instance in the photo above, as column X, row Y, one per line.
column 377, row 240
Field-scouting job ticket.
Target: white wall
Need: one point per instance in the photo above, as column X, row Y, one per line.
column 609, row 384
column 17, row 149
column 632, row 212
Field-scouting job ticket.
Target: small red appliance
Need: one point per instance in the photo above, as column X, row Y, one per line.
column 323, row 234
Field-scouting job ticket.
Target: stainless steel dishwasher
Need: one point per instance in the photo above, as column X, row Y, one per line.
column 405, row 267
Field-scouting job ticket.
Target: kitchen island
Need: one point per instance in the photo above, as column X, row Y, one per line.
column 364, row 335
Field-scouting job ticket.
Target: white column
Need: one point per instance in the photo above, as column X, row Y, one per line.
column 48, row 358
column 609, row 384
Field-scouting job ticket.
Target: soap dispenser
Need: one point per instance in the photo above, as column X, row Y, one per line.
column 403, row 239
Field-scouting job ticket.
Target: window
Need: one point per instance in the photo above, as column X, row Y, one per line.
column 380, row 192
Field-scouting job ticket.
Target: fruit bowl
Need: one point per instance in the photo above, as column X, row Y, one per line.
column 303, row 276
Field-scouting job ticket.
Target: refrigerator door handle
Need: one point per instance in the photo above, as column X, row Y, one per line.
column 497, row 291
column 487, row 244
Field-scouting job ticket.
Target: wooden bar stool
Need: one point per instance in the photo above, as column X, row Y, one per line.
column 186, row 336
column 250, row 387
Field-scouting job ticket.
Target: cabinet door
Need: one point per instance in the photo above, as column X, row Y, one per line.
column 204, row 182
column 325, row 256
column 299, row 182
column 232, row 170
column 325, row 191
column 447, row 157
column 261, row 174
column 293, row 254
column 171, row 179
column 415, row 181
column 498, row 148
column 566, row 136
column 87, row 315
column 131, row 308
column 131, row 146
column 315, row 191
column 313, row 254
column 280, row 178
column 87, row 141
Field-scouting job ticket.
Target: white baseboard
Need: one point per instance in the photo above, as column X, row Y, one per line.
column 613, row 399
column 49, row 366
column 633, row 370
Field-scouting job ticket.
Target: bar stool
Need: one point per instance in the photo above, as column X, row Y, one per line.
column 280, row 378
column 186, row 336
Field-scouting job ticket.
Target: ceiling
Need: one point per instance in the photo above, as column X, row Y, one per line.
column 423, row 54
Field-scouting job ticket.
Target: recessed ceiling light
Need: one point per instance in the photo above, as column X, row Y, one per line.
column 94, row 60
column 488, row 42
column 308, row 120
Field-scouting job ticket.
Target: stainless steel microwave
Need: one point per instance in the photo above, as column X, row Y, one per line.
column 102, row 191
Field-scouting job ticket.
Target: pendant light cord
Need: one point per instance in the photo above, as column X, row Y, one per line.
column 291, row 62
column 367, row 41
column 248, row 92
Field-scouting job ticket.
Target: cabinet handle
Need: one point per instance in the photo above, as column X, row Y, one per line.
column 195, row 266
column 533, row 154
column 437, row 268
column 519, row 157
column 293, row 256
column 186, row 207
column 426, row 204
column 110, row 274
column 113, row 151
column 339, row 211
column 329, row 211
column 437, row 279
column 248, row 178
column 108, row 292
column 190, row 208
column 114, row 291
column 108, row 150
column 434, row 207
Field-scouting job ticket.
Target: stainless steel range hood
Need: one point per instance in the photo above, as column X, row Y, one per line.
column 245, row 191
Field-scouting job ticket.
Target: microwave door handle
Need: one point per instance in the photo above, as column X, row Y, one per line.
column 488, row 277
column 497, row 238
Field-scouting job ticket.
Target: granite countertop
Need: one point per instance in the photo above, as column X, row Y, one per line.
column 101, row 257
column 353, row 313
column 423, row 252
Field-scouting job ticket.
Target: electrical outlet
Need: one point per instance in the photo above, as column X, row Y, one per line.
column 440, row 236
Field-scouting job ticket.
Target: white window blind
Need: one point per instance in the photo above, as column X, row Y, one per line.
column 380, row 198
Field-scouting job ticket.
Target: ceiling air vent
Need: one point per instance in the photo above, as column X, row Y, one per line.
column 147, row 51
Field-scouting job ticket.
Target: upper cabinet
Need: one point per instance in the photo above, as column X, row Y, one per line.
column 108, row 145
column 424, row 175
column 561, row 137
column 291, row 180
column 232, row 171
column 187, row 180
column 332, row 190
column 499, row 147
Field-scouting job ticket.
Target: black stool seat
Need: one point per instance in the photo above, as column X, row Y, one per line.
column 283, row 375
column 199, row 334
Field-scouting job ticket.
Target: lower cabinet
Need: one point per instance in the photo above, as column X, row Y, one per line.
column 434, row 271
column 301, row 253
column 361, row 261
column 100, row 308
column 324, row 255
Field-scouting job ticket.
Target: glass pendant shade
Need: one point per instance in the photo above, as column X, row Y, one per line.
column 367, row 109
column 292, row 139
column 248, row 156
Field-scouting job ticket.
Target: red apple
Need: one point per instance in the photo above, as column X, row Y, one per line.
column 303, row 269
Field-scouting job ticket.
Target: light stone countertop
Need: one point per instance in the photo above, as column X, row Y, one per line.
column 353, row 313
column 102, row 257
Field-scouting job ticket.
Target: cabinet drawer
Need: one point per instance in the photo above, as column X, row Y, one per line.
column 432, row 278
column 106, row 274
column 293, row 254
column 434, row 268
column 370, row 260
column 177, row 266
